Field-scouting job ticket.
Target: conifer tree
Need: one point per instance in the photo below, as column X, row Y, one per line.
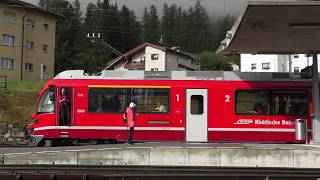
column 151, row 25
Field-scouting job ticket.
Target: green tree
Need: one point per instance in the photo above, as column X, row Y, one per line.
column 220, row 28
column 211, row 61
column 151, row 25
column 130, row 29
column 169, row 24
column 67, row 38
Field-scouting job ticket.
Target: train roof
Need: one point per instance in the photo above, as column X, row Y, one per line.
column 180, row 75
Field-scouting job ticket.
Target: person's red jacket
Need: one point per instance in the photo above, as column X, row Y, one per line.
column 131, row 117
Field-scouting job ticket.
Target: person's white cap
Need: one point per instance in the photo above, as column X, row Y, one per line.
column 132, row 105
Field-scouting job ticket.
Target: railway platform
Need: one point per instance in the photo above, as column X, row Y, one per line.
column 170, row 154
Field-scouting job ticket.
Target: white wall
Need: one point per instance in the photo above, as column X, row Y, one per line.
column 166, row 61
column 278, row 63
column 282, row 63
column 248, row 59
column 301, row 61
column 159, row 63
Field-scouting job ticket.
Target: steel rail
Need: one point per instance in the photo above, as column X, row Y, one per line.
column 154, row 171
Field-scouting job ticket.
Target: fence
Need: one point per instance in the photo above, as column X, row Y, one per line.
column 3, row 82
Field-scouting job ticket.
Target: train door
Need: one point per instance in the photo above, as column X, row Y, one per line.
column 197, row 115
column 65, row 104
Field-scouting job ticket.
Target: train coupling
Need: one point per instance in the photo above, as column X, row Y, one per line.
column 34, row 140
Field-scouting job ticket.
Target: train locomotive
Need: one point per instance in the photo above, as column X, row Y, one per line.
column 195, row 107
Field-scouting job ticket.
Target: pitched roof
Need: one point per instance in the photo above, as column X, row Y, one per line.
column 275, row 28
column 23, row 4
column 134, row 51
column 141, row 47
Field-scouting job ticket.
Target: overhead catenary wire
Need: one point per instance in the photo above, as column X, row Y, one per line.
column 115, row 27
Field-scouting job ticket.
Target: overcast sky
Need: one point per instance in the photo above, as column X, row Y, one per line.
column 214, row 7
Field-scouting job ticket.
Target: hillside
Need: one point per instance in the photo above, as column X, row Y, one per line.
column 16, row 105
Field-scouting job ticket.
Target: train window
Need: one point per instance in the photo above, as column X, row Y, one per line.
column 252, row 102
column 107, row 100
column 45, row 104
column 290, row 102
column 151, row 100
column 196, row 104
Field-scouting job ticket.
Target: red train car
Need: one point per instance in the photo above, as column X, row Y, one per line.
column 195, row 107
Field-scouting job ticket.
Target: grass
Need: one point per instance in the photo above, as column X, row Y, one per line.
column 24, row 85
column 18, row 101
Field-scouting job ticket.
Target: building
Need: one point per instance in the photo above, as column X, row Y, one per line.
column 274, row 63
column 152, row 57
column 27, row 41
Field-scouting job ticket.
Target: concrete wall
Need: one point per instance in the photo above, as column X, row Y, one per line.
column 36, row 35
column 173, row 60
column 175, row 156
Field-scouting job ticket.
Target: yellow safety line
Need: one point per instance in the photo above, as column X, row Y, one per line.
column 126, row 86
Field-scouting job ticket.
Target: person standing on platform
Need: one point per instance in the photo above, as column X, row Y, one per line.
column 130, row 119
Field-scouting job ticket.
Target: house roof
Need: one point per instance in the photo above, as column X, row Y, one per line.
column 134, row 51
column 275, row 28
column 23, row 4
column 141, row 47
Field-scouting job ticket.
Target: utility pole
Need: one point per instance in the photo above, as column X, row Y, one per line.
column 96, row 37
column 290, row 63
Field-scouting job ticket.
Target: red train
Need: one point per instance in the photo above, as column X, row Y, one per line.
column 174, row 106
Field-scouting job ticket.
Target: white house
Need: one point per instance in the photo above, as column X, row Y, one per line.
column 152, row 57
column 274, row 63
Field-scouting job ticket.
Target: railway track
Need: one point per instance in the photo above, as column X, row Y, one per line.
column 67, row 172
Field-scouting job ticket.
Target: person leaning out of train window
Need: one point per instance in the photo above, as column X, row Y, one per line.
column 64, row 108
column 160, row 107
column 259, row 109
column 130, row 118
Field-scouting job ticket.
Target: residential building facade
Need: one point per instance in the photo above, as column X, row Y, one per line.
column 27, row 41
column 274, row 63
column 152, row 57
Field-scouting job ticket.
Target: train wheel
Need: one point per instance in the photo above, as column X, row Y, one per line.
column 110, row 141
column 49, row 143
column 75, row 142
column 113, row 141
column 94, row 141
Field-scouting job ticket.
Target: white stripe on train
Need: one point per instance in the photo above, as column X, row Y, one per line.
column 107, row 128
column 163, row 128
